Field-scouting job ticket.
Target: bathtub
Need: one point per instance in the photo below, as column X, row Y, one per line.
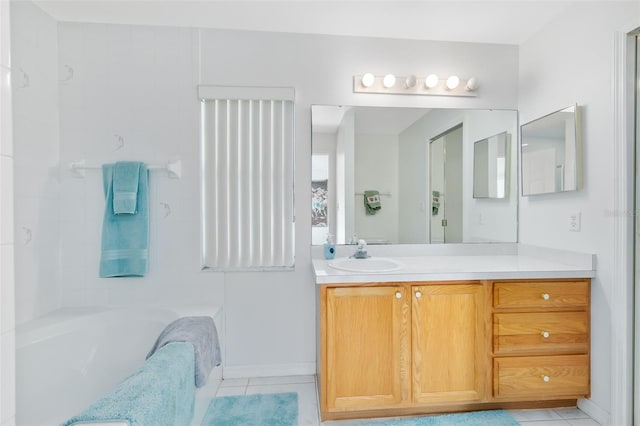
column 72, row 356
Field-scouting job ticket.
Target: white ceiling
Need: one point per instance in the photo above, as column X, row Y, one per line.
column 326, row 118
column 368, row 120
column 384, row 120
column 503, row 22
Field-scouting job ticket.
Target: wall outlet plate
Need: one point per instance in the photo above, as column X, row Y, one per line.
column 574, row 221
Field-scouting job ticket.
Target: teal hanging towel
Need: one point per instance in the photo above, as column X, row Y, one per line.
column 125, row 236
column 372, row 202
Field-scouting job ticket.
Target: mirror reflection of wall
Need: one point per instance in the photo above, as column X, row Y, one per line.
column 551, row 149
column 386, row 149
column 491, row 166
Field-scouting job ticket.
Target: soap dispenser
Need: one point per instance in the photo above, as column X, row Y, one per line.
column 329, row 248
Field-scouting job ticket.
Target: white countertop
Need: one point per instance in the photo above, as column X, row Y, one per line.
column 523, row 263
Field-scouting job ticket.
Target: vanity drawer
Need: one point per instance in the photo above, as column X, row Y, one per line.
column 544, row 377
column 541, row 295
column 540, row 333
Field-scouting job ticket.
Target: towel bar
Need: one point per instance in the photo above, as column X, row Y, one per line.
column 173, row 168
column 384, row 194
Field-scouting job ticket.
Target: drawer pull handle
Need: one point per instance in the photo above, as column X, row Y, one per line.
column 418, row 294
column 545, row 334
column 546, row 379
column 398, row 295
column 545, row 296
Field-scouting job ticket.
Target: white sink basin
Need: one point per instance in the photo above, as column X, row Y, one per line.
column 370, row 264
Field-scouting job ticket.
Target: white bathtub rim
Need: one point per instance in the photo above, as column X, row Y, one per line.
column 69, row 319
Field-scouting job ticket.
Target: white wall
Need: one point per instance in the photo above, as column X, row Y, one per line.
column 571, row 61
column 7, row 249
column 34, row 39
column 140, row 83
column 376, row 168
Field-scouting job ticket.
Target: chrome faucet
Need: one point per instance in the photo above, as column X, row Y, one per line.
column 361, row 250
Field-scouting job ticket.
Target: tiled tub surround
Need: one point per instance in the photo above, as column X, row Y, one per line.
column 71, row 357
column 455, row 329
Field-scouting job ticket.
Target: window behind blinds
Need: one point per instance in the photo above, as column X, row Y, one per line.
column 247, row 178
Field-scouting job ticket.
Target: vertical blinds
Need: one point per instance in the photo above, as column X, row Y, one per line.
column 247, row 178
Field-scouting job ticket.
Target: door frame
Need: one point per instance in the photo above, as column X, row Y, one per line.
column 622, row 294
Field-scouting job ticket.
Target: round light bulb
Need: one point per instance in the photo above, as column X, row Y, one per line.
column 453, row 82
column 410, row 82
column 472, row 84
column 368, row 79
column 431, row 81
column 389, row 81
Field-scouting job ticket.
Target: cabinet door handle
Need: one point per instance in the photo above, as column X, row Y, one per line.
column 546, row 379
column 398, row 295
column 545, row 334
column 545, row 296
column 418, row 294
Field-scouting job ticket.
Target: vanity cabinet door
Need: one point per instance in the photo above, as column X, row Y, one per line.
column 367, row 345
column 448, row 341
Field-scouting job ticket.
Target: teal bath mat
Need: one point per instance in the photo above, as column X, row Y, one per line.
column 475, row 418
column 278, row 409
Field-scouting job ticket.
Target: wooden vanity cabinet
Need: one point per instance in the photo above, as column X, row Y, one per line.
column 423, row 347
column 402, row 346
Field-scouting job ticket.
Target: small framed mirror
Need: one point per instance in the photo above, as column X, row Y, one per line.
column 491, row 166
column 551, row 151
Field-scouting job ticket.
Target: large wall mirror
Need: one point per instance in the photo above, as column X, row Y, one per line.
column 551, row 153
column 419, row 162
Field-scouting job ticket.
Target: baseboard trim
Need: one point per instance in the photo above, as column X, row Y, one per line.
column 594, row 411
column 269, row 370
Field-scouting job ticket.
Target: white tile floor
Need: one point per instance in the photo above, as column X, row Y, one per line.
column 308, row 415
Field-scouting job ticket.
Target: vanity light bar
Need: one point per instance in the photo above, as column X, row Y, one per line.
column 412, row 85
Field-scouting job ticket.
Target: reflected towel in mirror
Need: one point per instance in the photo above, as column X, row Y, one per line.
column 372, row 202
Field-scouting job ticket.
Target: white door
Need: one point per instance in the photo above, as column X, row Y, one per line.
column 445, row 187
